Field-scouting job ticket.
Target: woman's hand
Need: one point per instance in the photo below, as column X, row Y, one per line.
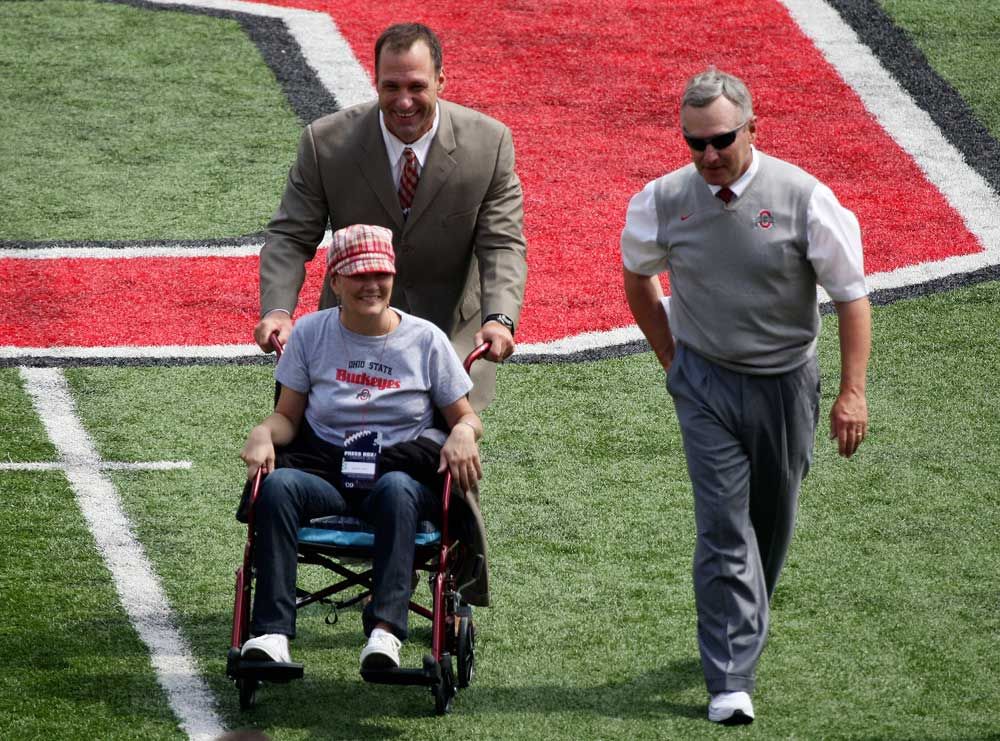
column 258, row 452
column 460, row 455
column 278, row 428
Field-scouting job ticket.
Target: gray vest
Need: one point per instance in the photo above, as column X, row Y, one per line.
column 742, row 292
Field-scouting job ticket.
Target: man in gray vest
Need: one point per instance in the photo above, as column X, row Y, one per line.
column 745, row 238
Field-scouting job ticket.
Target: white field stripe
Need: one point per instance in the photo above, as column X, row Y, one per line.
column 916, row 133
column 103, row 466
column 581, row 342
column 140, row 251
column 127, row 253
column 323, row 46
column 125, row 352
column 138, row 587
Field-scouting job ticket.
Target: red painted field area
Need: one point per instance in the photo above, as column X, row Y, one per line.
column 590, row 93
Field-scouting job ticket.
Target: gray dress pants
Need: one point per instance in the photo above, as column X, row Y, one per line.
column 748, row 440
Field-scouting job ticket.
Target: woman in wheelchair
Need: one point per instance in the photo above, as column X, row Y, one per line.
column 361, row 380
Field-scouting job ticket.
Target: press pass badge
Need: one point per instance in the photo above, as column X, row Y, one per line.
column 360, row 465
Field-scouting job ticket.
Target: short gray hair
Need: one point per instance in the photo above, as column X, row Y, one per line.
column 707, row 86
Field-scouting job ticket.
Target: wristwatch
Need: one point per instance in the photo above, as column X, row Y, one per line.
column 502, row 319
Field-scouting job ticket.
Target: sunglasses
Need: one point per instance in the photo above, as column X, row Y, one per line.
column 718, row 142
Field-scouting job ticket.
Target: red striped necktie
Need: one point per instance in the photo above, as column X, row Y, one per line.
column 725, row 195
column 408, row 180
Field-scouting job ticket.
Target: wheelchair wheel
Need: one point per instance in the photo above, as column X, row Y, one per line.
column 248, row 692
column 444, row 692
column 466, row 652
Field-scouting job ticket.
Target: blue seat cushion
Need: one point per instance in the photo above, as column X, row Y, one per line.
column 353, row 532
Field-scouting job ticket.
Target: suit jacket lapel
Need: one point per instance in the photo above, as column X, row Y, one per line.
column 438, row 168
column 374, row 165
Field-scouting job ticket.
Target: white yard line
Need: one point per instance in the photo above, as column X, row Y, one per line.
column 144, row 251
column 103, row 466
column 137, row 352
column 577, row 343
column 128, row 253
column 138, row 586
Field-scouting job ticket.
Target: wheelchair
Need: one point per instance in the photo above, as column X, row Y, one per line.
column 344, row 546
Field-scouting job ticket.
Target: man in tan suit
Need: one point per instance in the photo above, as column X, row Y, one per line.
column 439, row 175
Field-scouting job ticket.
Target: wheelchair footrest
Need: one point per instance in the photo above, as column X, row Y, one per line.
column 429, row 676
column 267, row 671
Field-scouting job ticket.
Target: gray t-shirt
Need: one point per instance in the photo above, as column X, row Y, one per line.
column 390, row 383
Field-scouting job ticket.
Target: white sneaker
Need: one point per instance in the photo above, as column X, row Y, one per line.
column 381, row 651
column 730, row 708
column 270, row 647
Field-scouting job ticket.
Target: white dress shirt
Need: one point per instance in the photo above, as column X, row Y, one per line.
column 394, row 147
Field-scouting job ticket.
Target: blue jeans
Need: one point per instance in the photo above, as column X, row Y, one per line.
column 290, row 498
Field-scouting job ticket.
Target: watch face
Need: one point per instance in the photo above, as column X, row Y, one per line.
column 502, row 319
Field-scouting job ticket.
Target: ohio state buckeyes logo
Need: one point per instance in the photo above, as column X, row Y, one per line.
column 764, row 219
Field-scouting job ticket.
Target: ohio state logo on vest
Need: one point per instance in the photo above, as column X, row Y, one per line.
column 764, row 219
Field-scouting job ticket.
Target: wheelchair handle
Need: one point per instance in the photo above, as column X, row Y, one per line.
column 276, row 344
column 258, row 479
column 475, row 355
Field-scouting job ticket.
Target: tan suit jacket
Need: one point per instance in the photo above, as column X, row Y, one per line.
column 460, row 255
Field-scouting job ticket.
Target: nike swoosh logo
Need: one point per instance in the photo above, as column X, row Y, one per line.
column 685, row 217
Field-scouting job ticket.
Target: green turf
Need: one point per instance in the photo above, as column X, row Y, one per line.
column 73, row 667
column 886, row 610
column 23, row 436
column 126, row 123
column 961, row 40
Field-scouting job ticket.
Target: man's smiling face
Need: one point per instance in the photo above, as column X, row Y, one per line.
column 408, row 87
